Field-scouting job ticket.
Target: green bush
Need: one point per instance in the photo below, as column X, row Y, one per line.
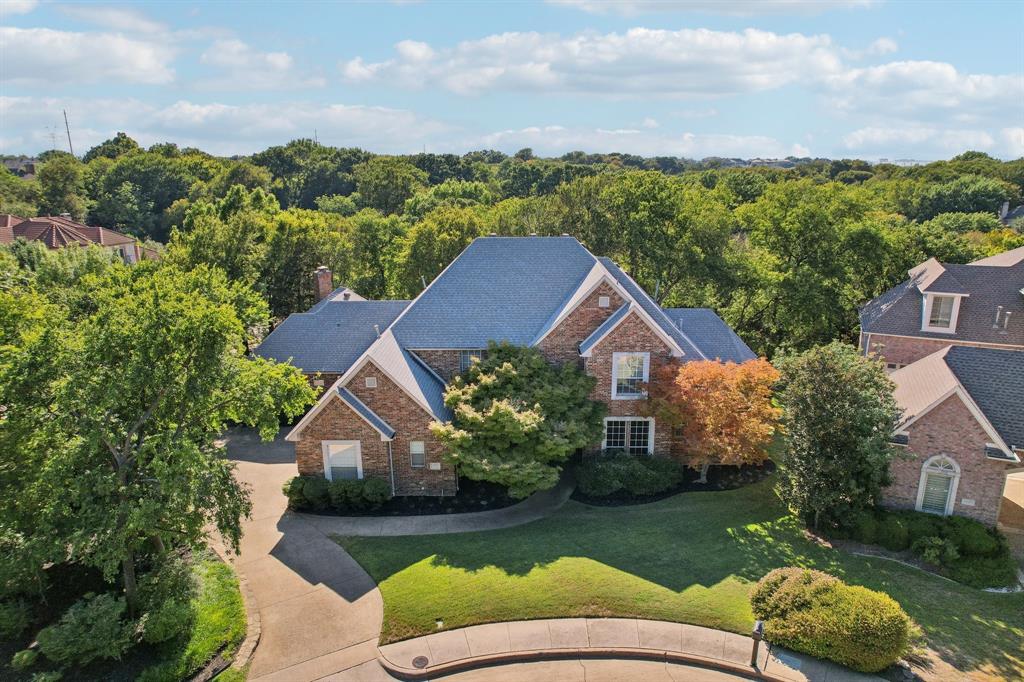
column 24, row 659
column 346, row 495
column 971, row 537
column 982, row 572
column 48, row 676
column 167, row 621
column 94, row 627
column 936, row 550
column 14, row 618
column 893, row 533
column 640, row 475
column 919, row 525
column 316, row 490
column 865, row 528
column 376, row 492
column 292, row 489
column 817, row 614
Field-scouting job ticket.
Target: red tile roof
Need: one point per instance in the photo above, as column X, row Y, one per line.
column 7, row 223
column 58, row 231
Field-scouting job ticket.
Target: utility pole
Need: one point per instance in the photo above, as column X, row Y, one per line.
column 68, row 129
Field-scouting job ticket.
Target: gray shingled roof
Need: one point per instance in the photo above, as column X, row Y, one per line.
column 711, row 334
column 995, row 380
column 656, row 312
column 330, row 337
column 898, row 310
column 499, row 289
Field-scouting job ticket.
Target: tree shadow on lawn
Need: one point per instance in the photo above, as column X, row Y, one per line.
column 703, row 539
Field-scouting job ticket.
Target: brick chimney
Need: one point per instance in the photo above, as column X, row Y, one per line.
column 324, row 282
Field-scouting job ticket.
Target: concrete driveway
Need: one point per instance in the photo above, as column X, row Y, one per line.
column 320, row 612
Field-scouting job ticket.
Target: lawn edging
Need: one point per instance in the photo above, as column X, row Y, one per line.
column 495, row 644
column 254, row 627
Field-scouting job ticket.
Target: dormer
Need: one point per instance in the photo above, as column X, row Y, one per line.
column 939, row 311
column 941, row 295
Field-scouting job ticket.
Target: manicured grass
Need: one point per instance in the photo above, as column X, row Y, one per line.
column 220, row 623
column 692, row 558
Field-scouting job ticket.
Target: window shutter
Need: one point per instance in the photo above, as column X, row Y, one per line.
column 936, row 493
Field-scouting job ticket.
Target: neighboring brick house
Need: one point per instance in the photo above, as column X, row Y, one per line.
column 978, row 304
column 962, row 427
column 392, row 359
column 58, row 232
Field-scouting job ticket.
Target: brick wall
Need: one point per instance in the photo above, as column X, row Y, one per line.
column 328, row 379
column 631, row 335
column 950, row 429
column 409, row 420
column 562, row 344
column 446, row 363
column 904, row 350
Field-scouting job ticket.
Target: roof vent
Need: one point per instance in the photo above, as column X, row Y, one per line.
column 493, row 234
column 533, row 234
column 346, row 295
column 376, row 328
column 999, row 312
column 565, row 234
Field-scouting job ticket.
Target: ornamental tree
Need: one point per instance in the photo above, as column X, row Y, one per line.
column 838, row 414
column 108, row 449
column 517, row 418
column 724, row 409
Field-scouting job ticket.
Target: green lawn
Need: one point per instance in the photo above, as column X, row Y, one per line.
column 692, row 558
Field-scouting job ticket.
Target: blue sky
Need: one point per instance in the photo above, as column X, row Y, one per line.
column 848, row 78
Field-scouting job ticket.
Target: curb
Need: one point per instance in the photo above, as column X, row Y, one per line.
column 254, row 626
column 506, row 658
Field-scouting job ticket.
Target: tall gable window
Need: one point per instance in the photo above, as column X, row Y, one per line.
column 629, row 374
column 940, row 313
column 468, row 357
column 937, row 488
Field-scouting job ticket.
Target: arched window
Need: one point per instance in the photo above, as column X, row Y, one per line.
column 936, row 492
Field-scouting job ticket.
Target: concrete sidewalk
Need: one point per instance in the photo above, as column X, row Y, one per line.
column 629, row 638
column 535, row 507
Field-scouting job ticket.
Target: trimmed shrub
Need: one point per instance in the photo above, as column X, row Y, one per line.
column 14, row 618
column 893, row 533
column 919, row 525
column 971, row 537
column 346, row 495
column 316, row 490
column 292, row 489
column 375, row 492
column 640, row 475
column 24, row 659
column 982, row 572
column 936, row 550
column 817, row 614
column 865, row 528
column 92, row 628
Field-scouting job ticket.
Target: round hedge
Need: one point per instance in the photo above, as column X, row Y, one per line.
column 818, row 614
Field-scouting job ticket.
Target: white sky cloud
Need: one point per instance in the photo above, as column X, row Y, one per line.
column 114, row 18
column 242, row 67
column 46, row 57
column 638, row 62
column 9, row 7
column 1013, row 141
column 741, row 8
column 896, row 141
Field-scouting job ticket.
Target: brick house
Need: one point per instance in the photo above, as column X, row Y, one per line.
column 58, row 232
column 388, row 362
column 941, row 304
column 962, row 428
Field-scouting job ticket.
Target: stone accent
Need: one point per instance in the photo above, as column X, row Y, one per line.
column 631, row 335
column 327, row 380
column 950, row 429
column 562, row 344
column 410, row 421
column 445, row 363
column 903, row 350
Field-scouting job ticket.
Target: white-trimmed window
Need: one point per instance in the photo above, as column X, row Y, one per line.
column 940, row 313
column 936, row 492
column 629, row 374
column 468, row 357
column 417, row 454
column 634, row 435
column 343, row 460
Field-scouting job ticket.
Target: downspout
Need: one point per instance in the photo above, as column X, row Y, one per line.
column 391, row 466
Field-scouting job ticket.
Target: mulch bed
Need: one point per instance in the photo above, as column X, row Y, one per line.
column 473, row 496
column 719, row 478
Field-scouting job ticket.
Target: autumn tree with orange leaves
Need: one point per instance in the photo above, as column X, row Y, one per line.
column 724, row 409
